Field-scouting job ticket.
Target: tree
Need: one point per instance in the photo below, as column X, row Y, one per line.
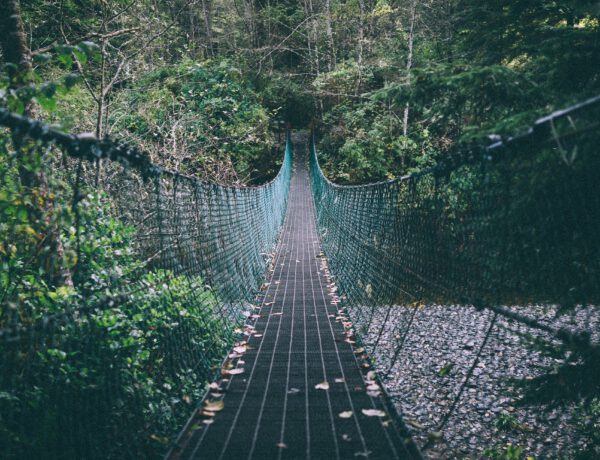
column 15, row 50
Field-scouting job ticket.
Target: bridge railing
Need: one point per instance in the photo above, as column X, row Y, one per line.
column 505, row 232
column 123, row 288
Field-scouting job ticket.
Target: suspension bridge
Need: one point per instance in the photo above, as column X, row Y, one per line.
column 275, row 321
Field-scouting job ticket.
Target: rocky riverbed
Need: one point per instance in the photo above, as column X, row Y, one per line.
column 458, row 394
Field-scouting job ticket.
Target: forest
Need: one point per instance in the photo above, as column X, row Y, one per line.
column 391, row 84
column 197, row 97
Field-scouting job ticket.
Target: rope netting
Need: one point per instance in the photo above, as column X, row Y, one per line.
column 123, row 287
column 457, row 276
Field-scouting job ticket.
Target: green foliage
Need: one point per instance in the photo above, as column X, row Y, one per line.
column 507, row 422
column 205, row 118
column 17, row 89
column 507, row 452
column 367, row 145
column 287, row 100
column 588, row 421
column 103, row 367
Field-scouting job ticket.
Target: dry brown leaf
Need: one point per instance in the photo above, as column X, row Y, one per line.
column 237, row 371
column 322, row 386
column 281, row 445
column 240, row 349
column 208, row 421
column 339, row 380
column 359, row 350
column 213, row 406
column 373, row 413
column 345, row 414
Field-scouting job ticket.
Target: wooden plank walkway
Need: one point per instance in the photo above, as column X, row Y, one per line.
column 273, row 410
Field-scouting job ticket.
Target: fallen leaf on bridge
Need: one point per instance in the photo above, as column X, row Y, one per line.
column 322, row 386
column 213, row 406
column 237, row 371
column 373, row 413
column 345, row 414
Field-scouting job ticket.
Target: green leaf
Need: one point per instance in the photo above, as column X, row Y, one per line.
column 42, row 58
column 63, row 50
column 48, row 89
column 47, row 103
column 10, row 69
column 445, row 370
column 72, row 79
column 66, row 60
column 81, row 55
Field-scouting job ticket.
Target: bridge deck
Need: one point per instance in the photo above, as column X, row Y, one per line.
column 273, row 410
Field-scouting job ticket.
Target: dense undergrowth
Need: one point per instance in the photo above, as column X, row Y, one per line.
column 106, row 343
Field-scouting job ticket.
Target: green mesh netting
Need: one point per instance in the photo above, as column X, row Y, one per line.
column 510, row 224
column 163, row 268
column 506, row 232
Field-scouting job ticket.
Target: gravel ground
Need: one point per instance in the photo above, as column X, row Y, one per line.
column 435, row 357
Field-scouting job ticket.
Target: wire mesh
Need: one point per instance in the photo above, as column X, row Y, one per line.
column 162, row 270
column 507, row 230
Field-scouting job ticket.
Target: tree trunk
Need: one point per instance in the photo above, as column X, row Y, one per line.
column 409, row 60
column 15, row 50
column 329, row 32
column 14, row 43
column 207, row 10
column 361, row 38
